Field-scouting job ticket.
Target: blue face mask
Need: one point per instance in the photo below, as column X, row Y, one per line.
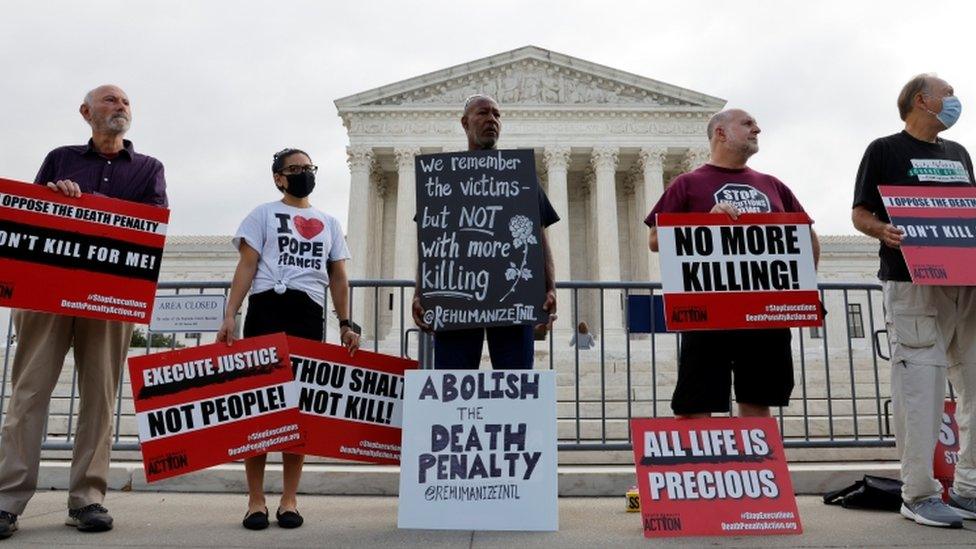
column 951, row 109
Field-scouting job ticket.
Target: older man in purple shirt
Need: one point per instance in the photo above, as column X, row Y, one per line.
column 108, row 165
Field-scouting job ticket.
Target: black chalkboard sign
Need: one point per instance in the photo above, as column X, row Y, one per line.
column 479, row 239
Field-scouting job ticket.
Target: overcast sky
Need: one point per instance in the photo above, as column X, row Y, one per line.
column 218, row 86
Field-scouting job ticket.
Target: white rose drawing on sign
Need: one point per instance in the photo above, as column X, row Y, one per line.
column 522, row 237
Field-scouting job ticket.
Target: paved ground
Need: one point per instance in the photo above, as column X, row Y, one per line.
column 213, row 520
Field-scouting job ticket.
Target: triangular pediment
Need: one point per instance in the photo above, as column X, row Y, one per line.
column 531, row 77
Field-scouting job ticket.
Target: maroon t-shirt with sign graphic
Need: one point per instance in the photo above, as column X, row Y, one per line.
column 746, row 189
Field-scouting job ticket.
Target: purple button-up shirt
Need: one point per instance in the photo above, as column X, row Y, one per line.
column 129, row 176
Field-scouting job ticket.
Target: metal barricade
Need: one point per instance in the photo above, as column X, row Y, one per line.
column 840, row 399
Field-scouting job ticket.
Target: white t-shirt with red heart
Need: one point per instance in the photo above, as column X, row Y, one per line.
column 295, row 244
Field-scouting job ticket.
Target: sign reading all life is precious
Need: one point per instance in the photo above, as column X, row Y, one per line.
column 479, row 239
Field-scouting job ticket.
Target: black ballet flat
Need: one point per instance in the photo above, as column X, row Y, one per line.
column 257, row 520
column 289, row 519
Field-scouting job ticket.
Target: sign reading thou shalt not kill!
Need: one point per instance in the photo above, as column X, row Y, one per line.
column 479, row 239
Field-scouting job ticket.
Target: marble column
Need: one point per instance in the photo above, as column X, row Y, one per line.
column 405, row 254
column 377, row 189
column 405, row 261
column 557, row 167
column 604, row 162
column 651, row 160
column 360, row 161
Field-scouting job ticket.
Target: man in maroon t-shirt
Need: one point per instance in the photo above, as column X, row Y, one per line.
column 761, row 361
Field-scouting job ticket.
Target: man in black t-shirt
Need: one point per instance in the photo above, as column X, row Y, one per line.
column 932, row 329
column 510, row 347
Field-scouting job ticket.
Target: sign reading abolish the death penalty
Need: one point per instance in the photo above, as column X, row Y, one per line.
column 756, row 272
column 353, row 404
column 91, row 256
column 479, row 239
column 940, row 232
column 212, row 404
column 713, row 477
column 479, row 451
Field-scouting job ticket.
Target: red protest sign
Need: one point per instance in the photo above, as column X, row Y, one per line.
column 713, row 477
column 356, row 402
column 212, row 404
column 91, row 256
column 755, row 272
column 946, row 449
column 940, row 232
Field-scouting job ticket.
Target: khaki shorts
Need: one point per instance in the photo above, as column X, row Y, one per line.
column 930, row 325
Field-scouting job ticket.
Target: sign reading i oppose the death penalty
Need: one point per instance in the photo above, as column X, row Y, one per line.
column 713, row 477
column 354, row 402
column 479, row 239
column 755, row 272
column 479, row 451
column 207, row 405
column 91, row 256
column 940, row 232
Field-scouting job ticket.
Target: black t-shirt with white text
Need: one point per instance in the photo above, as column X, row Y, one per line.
column 900, row 159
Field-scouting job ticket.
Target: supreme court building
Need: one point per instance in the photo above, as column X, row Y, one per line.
column 606, row 142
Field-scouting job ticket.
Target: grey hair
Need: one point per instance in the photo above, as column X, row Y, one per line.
column 90, row 97
column 918, row 84
column 477, row 97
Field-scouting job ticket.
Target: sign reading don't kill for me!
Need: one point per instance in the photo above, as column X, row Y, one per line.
column 479, row 239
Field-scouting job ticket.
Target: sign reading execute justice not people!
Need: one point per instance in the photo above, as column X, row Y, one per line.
column 212, row 404
column 713, row 477
column 940, row 232
column 354, row 403
column 479, row 239
column 479, row 450
column 756, row 272
column 91, row 256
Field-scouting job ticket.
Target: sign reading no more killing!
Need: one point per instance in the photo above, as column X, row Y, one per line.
column 756, row 272
column 940, row 232
column 479, row 239
column 92, row 256
column 352, row 404
column 203, row 406
column 713, row 477
column 479, row 450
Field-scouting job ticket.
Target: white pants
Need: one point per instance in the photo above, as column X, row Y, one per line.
column 932, row 330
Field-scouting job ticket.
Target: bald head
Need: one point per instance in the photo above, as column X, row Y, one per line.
column 106, row 109
column 721, row 120
column 733, row 135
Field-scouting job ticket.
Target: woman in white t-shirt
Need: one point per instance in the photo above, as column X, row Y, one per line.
column 290, row 252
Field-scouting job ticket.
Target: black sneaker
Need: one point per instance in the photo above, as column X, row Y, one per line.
column 90, row 518
column 8, row 524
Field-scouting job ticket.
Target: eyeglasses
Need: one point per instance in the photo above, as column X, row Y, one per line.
column 296, row 169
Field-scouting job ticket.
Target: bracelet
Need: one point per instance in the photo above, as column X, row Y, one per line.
column 345, row 324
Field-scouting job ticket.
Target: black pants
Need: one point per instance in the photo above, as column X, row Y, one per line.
column 292, row 312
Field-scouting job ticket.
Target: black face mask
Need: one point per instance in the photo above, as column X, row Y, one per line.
column 300, row 185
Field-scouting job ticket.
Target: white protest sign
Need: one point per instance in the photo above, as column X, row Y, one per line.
column 188, row 313
column 479, row 450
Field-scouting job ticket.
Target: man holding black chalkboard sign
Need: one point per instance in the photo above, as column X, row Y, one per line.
column 485, row 268
column 758, row 361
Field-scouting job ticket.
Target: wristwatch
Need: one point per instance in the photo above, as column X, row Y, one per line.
column 345, row 324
